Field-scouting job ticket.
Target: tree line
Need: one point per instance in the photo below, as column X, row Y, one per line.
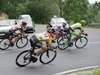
column 42, row 10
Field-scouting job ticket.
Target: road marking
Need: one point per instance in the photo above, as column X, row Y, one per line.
column 76, row 70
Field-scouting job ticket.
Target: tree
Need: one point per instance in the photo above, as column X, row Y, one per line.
column 94, row 12
column 42, row 10
column 75, row 10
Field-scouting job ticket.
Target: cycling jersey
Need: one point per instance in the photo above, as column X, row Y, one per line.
column 57, row 28
column 76, row 26
column 18, row 28
column 45, row 36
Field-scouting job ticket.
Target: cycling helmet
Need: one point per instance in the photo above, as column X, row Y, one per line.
column 24, row 23
column 64, row 24
column 83, row 21
column 51, row 30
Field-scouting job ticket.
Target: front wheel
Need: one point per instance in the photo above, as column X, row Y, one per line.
column 65, row 36
column 81, row 42
column 4, row 44
column 23, row 59
column 22, row 42
column 48, row 56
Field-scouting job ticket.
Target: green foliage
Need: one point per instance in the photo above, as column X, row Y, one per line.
column 94, row 13
column 96, row 72
column 75, row 10
column 42, row 10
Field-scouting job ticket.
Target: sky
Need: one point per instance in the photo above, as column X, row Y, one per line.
column 93, row 1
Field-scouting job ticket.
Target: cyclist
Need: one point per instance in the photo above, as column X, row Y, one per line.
column 59, row 29
column 65, row 25
column 19, row 29
column 74, row 27
column 38, row 39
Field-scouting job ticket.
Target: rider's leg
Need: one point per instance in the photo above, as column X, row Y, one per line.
column 33, row 41
column 77, row 35
column 43, row 48
column 56, row 34
column 15, row 39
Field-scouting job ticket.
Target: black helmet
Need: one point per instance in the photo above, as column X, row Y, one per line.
column 51, row 30
column 64, row 24
column 24, row 23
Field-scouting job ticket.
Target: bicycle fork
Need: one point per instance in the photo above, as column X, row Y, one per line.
column 47, row 53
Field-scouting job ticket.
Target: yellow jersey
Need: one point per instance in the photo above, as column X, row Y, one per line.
column 45, row 36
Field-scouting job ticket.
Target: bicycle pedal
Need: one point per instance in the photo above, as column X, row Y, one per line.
column 71, row 44
column 34, row 59
column 11, row 44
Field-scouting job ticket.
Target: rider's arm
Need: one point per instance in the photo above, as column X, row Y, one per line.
column 21, row 31
column 50, row 42
column 82, row 31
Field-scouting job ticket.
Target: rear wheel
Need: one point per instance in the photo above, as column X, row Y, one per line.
column 4, row 44
column 22, row 42
column 48, row 56
column 23, row 59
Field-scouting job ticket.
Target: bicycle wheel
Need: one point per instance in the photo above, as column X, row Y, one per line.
column 47, row 56
column 22, row 42
column 65, row 36
column 4, row 44
column 63, row 44
column 81, row 42
column 23, row 59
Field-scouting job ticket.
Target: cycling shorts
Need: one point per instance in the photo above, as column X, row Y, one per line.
column 35, row 42
column 74, row 33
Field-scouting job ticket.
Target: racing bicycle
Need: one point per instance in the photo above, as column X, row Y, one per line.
column 28, row 56
column 79, row 42
column 5, row 41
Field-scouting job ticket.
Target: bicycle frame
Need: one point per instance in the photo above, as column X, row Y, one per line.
column 29, row 56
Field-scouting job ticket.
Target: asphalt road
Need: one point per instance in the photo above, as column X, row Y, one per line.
column 71, row 58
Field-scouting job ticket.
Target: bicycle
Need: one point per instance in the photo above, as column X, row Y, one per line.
column 79, row 42
column 28, row 56
column 5, row 41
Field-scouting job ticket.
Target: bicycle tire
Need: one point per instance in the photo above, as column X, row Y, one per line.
column 4, row 44
column 81, row 41
column 28, row 58
column 22, row 42
column 62, row 45
column 65, row 36
column 47, row 54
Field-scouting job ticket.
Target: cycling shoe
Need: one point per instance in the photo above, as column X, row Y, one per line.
column 34, row 59
column 11, row 44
